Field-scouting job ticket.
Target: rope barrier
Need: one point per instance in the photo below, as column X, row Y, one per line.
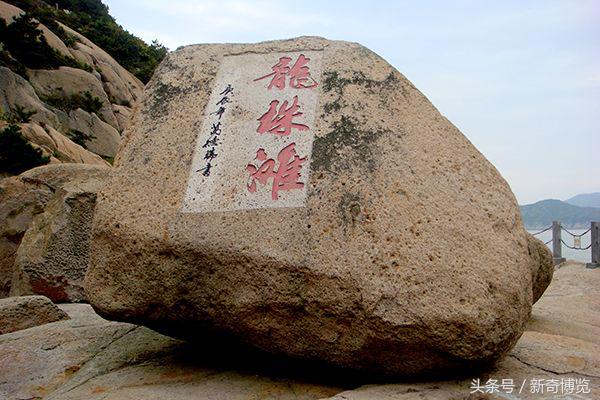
column 575, row 248
column 572, row 234
column 542, row 231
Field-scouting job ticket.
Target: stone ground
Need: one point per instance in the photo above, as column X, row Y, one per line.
column 87, row 357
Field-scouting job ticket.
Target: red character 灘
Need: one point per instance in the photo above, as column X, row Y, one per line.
column 298, row 74
column 285, row 177
column 280, row 122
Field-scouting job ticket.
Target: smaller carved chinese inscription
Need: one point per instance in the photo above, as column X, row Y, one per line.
column 213, row 141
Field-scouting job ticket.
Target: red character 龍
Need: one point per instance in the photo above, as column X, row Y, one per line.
column 298, row 74
column 285, row 175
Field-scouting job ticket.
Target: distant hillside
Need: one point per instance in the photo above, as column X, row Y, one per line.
column 92, row 20
column 542, row 213
column 585, row 200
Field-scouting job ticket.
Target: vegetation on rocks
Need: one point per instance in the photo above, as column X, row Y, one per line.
column 67, row 103
column 18, row 115
column 79, row 137
column 91, row 19
column 16, row 154
column 24, row 46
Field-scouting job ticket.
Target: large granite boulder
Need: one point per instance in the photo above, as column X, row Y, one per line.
column 24, row 312
column 54, row 253
column 384, row 242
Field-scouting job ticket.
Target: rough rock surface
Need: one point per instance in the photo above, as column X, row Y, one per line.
column 54, row 252
column 562, row 342
column 24, row 197
column 542, row 266
column 90, row 358
column 123, row 115
column 9, row 12
column 408, row 254
column 105, row 138
column 18, row 313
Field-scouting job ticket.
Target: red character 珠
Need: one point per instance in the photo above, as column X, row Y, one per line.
column 280, row 122
column 285, row 177
column 299, row 74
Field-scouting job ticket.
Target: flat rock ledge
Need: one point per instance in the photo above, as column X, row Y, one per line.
column 87, row 357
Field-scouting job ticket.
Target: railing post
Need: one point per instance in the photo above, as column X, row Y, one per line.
column 595, row 236
column 556, row 243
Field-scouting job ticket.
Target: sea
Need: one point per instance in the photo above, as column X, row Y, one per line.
column 570, row 254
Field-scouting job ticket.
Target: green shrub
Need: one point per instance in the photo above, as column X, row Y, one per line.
column 18, row 115
column 79, row 137
column 26, row 44
column 6, row 60
column 16, row 154
column 91, row 18
column 84, row 100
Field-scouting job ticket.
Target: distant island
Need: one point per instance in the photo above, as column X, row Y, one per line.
column 585, row 200
column 576, row 212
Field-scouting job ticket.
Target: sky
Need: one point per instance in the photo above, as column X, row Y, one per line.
column 520, row 79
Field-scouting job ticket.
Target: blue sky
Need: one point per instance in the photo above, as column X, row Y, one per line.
column 521, row 79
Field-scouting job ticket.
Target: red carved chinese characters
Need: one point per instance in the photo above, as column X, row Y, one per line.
column 298, row 74
column 280, row 121
column 285, row 177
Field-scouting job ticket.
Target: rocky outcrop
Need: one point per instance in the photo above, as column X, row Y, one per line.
column 66, row 81
column 18, row 313
column 395, row 248
column 8, row 12
column 57, row 146
column 87, row 357
column 105, row 138
column 119, row 84
column 17, row 91
column 57, row 97
column 54, row 253
column 123, row 115
column 24, row 198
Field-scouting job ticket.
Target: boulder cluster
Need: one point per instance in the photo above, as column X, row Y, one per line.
column 73, row 115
